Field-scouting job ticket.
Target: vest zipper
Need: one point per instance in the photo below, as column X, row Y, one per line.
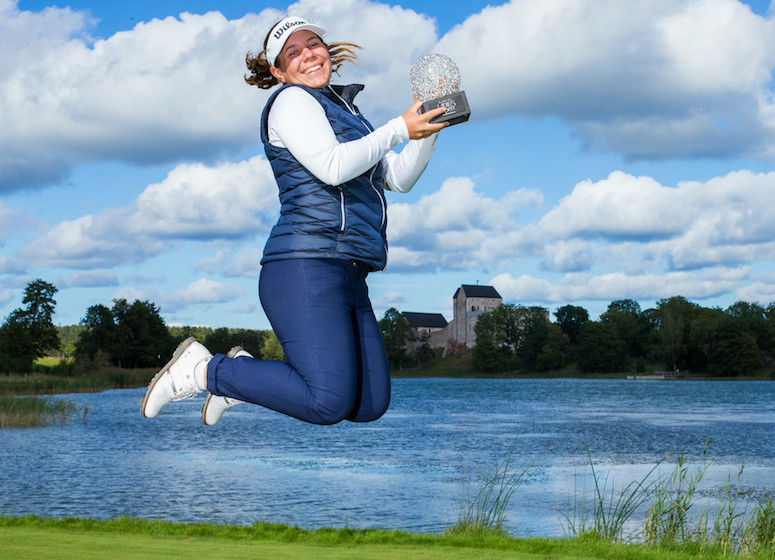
column 371, row 175
column 379, row 196
column 341, row 209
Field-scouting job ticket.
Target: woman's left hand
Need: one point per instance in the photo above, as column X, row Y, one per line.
column 419, row 125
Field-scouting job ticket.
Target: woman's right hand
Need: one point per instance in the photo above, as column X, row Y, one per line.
column 419, row 125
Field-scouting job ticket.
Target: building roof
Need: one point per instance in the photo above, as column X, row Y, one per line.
column 425, row 320
column 477, row 291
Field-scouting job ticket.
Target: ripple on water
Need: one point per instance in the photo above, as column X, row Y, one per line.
column 411, row 470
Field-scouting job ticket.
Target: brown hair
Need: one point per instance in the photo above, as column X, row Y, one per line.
column 259, row 66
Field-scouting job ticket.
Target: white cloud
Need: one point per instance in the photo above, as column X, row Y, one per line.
column 200, row 201
column 245, row 264
column 167, row 89
column 39, row 32
column 13, row 220
column 618, row 285
column 570, row 256
column 716, row 46
column 619, row 206
column 247, row 309
column 725, row 221
column 17, row 282
column 211, row 264
column 649, row 79
column 91, row 241
column 88, row 279
column 207, row 291
column 195, row 201
column 623, row 222
column 761, row 291
column 454, row 226
column 389, row 299
column 199, row 292
column 659, row 79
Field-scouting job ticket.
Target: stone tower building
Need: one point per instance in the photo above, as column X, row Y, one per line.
column 468, row 303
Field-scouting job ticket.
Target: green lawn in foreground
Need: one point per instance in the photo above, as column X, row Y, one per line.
column 33, row 538
column 27, row 543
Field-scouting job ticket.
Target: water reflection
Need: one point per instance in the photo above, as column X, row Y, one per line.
column 407, row 471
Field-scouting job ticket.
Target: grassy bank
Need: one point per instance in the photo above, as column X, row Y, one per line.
column 88, row 382
column 460, row 365
column 18, row 412
column 45, row 382
column 28, row 538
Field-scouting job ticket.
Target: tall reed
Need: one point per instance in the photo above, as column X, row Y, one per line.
column 667, row 519
column 730, row 528
column 730, row 525
column 35, row 411
column 87, row 382
column 611, row 509
column 485, row 514
column 763, row 527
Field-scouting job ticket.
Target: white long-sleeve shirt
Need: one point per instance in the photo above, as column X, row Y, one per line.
column 298, row 123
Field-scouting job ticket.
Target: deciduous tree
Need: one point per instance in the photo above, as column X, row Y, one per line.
column 29, row 333
column 272, row 349
column 737, row 352
column 675, row 317
column 601, row 349
column 396, row 332
column 625, row 316
column 129, row 335
column 570, row 318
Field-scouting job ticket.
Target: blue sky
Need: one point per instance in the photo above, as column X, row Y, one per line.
column 615, row 150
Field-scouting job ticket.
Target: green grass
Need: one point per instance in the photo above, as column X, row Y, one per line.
column 89, row 382
column 732, row 528
column 49, row 361
column 20, row 412
column 28, row 538
column 51, row 378
column 611, row 510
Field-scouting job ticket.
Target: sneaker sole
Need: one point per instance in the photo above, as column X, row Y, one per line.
column 178, row 352
column 205, row 406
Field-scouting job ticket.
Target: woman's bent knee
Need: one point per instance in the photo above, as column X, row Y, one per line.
column 327, row 409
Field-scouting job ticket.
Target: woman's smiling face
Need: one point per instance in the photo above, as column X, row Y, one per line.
column 304, row 60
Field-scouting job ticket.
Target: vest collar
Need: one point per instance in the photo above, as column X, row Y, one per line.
column 347, row 92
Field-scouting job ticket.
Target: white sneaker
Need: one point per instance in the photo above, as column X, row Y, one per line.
column 215, row 405
column 183, row 377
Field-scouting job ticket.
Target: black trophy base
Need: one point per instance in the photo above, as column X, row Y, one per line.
column 456, row 105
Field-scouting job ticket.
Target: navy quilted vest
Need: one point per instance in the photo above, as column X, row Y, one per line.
column 317, row 220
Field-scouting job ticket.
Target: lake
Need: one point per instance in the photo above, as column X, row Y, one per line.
column 411, row 470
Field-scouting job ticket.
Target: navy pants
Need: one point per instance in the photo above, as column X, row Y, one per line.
column 336, row 364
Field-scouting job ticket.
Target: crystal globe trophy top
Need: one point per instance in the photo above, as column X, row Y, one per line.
column 435, row 80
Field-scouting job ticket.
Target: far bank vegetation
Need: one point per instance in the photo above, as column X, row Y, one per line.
column 124, row 344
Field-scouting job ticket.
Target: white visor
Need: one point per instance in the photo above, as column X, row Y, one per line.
column 280, row 33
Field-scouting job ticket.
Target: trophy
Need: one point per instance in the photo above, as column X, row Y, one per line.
column 435, row 80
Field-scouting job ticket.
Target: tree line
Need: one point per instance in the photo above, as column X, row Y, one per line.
column 676, row 333
column 126, row 335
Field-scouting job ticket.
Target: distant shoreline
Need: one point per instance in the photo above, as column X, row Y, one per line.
column 115, row 378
